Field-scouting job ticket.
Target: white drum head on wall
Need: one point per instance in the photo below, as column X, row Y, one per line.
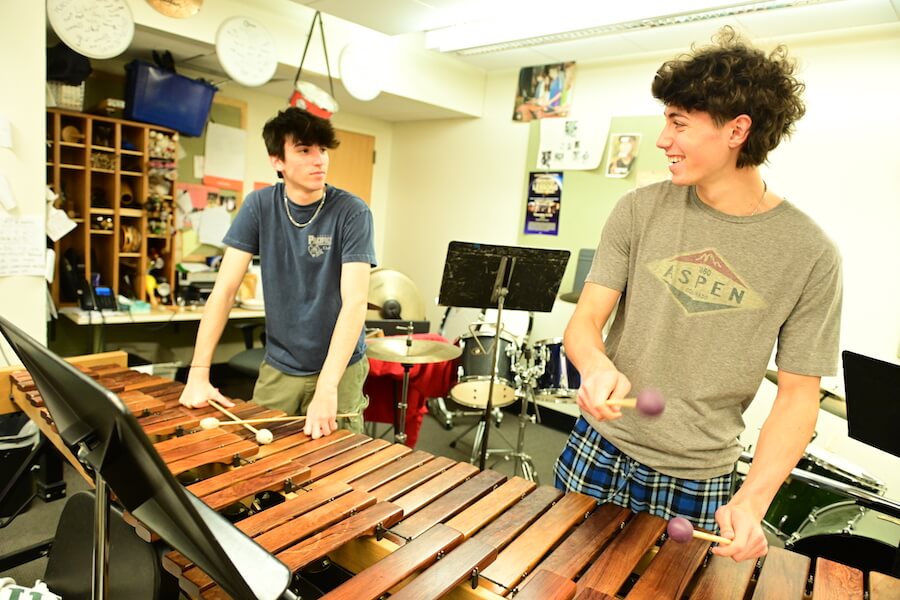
column 246, row 51
column 361, row 65
column 98, row 29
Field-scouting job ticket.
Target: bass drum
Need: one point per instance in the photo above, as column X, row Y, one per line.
column 849, row 534
column 475, row 370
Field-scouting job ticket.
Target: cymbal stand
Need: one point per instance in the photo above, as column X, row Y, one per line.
column 400, row 413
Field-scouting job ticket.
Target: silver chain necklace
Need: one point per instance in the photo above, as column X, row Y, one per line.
column 290, row 217
column 758, row 202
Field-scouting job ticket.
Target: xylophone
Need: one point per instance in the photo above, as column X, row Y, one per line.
column 418, row 526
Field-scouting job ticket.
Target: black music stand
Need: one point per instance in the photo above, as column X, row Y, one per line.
column 872, row 389
column 511, row 277
column 110, row 441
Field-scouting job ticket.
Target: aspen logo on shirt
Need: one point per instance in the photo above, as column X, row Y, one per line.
column 318, row 245
column 702, row 282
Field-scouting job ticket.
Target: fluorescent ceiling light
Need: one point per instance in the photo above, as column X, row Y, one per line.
column 578, row 20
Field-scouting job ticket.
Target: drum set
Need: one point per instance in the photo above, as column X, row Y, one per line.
column 525, row 371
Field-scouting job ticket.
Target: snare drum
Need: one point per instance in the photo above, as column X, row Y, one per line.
column 560, row 380
column 475, row 370
column 849, row 534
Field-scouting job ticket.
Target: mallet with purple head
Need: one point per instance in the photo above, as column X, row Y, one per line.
column 649, row 402
column 681, row 530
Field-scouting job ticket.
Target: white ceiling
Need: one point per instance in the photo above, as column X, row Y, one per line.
column 395, row 17
column 414, row 17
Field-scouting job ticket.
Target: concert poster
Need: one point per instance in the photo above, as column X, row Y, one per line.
column 544, row 201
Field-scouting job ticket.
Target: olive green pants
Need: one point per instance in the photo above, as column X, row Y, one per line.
column 293, row 393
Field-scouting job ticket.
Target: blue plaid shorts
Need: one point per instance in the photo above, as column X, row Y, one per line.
column 591, row 465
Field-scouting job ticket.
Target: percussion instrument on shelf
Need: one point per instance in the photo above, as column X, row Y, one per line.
column 475, row 369
column 796, row 499
column 421, row 526
column 560, row 379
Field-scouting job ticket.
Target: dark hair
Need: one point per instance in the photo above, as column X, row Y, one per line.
column 298, row 125
column 732, row 78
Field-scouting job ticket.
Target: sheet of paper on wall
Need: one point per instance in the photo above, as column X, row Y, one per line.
column 58, row 223
column 213, row 225
column 50, row 265
column 224, row 151
column 198, row 166
column 571, row 144
column 185, row 208
column 22, row 245
column 7, row 198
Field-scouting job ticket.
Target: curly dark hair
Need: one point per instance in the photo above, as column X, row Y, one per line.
column 731, row 78
column 299, row 125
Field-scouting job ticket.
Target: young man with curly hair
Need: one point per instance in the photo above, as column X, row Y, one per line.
column 708, row 271
column 316, row 248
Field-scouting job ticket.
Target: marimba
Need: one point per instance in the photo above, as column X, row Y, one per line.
column 418, row 526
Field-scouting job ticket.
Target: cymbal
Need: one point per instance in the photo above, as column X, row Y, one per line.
column 178, row 9
column 393, row 295
column 419, row 352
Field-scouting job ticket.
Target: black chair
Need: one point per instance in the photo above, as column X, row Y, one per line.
column 246, row 363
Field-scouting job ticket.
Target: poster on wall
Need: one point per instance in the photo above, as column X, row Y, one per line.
column 570, row 144
column 623, row 151
column 544, row 200
column 544, row 91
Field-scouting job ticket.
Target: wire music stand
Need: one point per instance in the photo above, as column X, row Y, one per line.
column 110, row 441
column 510, row 277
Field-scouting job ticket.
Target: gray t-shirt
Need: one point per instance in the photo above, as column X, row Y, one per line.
column 705, row 297
column 301, row 269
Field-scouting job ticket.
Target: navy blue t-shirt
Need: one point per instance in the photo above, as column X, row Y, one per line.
column 301, row 269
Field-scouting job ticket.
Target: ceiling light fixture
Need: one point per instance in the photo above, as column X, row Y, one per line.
column 467, row 43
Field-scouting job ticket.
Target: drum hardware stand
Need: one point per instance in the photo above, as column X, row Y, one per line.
column 485, row 276
column 528, row 380
column 400, row 413
column 496, row 413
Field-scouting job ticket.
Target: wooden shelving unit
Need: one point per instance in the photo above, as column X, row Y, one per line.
column 116, row 180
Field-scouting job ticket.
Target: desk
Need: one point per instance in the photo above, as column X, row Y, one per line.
column 384, row 385
column 95, row 320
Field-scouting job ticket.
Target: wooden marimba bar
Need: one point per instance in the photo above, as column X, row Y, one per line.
column 420, row 526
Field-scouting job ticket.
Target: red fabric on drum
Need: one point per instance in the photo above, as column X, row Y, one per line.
column 384, row 386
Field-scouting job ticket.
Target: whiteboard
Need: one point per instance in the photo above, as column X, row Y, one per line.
column 246, row 51
column 95, row 28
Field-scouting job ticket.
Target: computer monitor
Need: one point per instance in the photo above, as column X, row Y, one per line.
column 109, row 439
column 872, row 389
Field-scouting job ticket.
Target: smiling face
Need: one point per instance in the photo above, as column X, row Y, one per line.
column 304, row 168
column 698, row 150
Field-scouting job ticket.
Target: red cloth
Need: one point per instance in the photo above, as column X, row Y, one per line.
column 384, row 386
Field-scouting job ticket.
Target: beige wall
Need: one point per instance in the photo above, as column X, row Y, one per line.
column 23, row 299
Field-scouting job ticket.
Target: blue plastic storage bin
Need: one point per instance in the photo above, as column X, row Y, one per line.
column 157, row 96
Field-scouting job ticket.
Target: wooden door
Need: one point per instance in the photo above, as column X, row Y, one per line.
column 352, row 163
